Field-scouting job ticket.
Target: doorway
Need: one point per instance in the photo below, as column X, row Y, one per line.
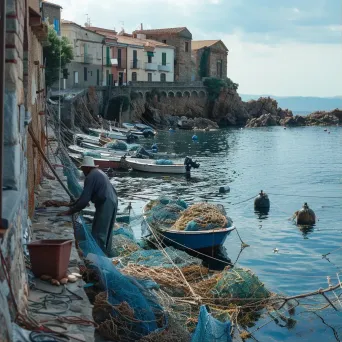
column 121, row 78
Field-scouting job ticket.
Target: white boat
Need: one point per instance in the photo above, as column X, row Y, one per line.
column 108, row 134
column 103, row 153
column 87, row 138
column 149, row 165
column 127, row 131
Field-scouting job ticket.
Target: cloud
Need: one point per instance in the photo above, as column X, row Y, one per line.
column 283, row 47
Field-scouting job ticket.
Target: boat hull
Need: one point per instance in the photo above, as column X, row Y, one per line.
column 111, row 164
column 196, row 240
column 153, row 168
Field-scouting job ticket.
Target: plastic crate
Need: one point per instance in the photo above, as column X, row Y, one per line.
column 50, row 257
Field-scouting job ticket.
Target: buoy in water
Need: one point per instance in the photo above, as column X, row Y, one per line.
column 194, row 137
column 224, row 189
column 305, row 216
column 262, row 202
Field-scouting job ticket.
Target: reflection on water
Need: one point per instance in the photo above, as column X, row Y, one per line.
column 288, row 165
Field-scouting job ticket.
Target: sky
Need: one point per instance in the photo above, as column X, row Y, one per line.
column 278, row 47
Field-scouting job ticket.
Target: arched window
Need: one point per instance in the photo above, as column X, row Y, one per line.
column 162, row 77
column 134, row 76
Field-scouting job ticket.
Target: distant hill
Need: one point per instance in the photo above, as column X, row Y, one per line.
column 302, row 104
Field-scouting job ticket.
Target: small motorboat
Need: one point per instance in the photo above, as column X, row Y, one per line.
column 196, row 240
column 147, row 131
column 149, row 165
column 153, row 166
column 98, row 153
column 108, row 134
column 80, row 138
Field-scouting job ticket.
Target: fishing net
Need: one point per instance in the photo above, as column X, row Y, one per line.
column 117, row 145
column 155, row 257
column 72, row 174
column 164, row 162
column 210, row 329
column 123, row 242
column 93, row 154
column 126, row 310
column 164, row 215
column 240, row 283
column 133, row 147
column 201, row 216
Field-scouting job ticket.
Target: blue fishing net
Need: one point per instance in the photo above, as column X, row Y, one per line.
column 93, row 154
column 164, row 215
column 164, row 162
column 209, row 329
column 117, row 145
column 119, row 289
column 72, row 174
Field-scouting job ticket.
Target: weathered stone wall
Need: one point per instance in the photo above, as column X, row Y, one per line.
column 51, row 12
column 183, row 68
column 217, row 55
column 23, row 80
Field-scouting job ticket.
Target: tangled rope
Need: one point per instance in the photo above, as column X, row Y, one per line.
column 204, row 215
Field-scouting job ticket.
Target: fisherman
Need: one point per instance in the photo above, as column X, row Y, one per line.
column 99, row 190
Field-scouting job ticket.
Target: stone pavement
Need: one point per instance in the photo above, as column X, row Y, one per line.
column 70, row 299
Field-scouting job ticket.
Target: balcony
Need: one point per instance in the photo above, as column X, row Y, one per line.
column 151, row 66
column 88, row 59
column 165, row 68
column 135, row 64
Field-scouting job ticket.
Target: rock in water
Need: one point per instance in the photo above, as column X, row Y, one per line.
column 262, row 202
column 305, row 216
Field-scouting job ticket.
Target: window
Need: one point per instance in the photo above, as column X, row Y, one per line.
column 219, row 68
column 76, row 77
column 85, row 49
column 162, row 77
column 134, row 76
column 85, row 76
column 91, row 73
column 149, row 59
column 164, row 41
column 119, row 58
column 56, row 25
column 107, row 77
column 149, row 77
column 186, row 46
column 108, row 55
column 135, row 59
column 164, row 58
column 98, row 77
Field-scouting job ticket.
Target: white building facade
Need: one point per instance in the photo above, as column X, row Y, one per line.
column 89, row 67
column 148, row 60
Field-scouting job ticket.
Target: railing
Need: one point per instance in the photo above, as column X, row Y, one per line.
column 143, row 84
column 166, row 68
column 136, row 64
column 88, row 59
column 151, row 66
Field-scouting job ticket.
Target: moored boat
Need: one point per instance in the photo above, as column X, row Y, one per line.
column 149, row 165
column 196, row 240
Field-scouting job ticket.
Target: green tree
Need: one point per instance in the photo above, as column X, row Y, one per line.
column 56, row 49
column 215, row 85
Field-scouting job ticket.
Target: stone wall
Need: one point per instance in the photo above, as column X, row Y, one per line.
column 183, row 68
column 51, row 12
column 23, row 102
column 217, row 55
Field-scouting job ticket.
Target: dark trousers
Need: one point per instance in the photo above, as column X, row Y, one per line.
column 103, row 224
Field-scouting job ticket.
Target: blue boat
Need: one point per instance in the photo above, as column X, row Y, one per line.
column 197, row 240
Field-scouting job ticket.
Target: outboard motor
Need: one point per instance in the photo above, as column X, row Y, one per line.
column 189, row 164
column 130, row 138
column 262, row 202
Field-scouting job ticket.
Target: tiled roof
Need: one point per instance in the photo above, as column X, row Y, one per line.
column 172, row 30
column 100, row 29
column 141, row 42
column 199, row 44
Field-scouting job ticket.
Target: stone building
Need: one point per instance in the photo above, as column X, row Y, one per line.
column 210, row 58
column 180, row 38
column 24, row 100
column 91, row 64
column 117, row 56
column 148, row 60
column 52, row 15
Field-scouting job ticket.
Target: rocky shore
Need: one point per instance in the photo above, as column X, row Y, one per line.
column 229, row 110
